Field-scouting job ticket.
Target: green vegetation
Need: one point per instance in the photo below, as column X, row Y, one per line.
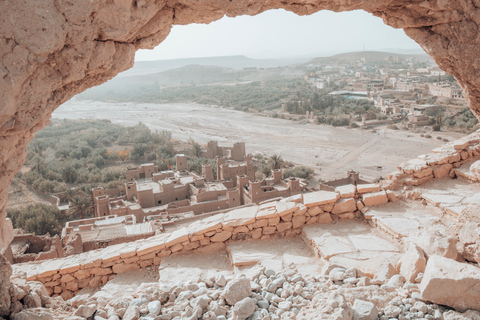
column 71, row 153
column 298, row 172
column 37, row 218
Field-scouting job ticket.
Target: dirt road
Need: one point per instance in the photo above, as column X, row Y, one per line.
column 330, row 151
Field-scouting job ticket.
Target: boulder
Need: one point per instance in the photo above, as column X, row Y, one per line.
column 132, row 313
column 364, row 310
column 244, row 308
column 85, row 311
column 32, row 300
column 451, row 283
column 33, row 314
column 385, row 271
column 412, row 263
column 236, row 290
column 433, row 242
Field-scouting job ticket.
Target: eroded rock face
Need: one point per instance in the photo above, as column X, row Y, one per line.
column 54, row 49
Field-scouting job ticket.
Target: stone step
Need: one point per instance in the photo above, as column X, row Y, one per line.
column 350, row 244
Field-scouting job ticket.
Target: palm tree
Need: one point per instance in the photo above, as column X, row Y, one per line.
column 276, row 162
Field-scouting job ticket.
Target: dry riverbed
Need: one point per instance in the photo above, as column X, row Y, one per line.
column 331, row 151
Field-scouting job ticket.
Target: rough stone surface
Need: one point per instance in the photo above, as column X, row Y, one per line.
column 5, row 286
column 364, row 310
column 244, row 308
column 236, row 290
column 451, row 283
column 33, row 314
column 412, row 263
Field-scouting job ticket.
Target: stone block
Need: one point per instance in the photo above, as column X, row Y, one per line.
column 298, row 222
column 412, row 262
column 122, row 267
column 347, row 191
column 451, row 283
column 274, row 221
column 301, row 210
column 367, row 188
column 344, row 205
column 284, row 226
column 284, row 208
column 364, row 310
column 267, row 214
column 176, row 237
column 319, row 198
column 221, row 236
column 376, row 198
column 240, row 217
column 314, row 211
column 260, row 223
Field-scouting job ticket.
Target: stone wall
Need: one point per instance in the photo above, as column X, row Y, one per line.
column 286, row 217
column 439, row 163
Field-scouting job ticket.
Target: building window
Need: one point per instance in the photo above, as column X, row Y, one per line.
column 176, row 199
column 159, row 201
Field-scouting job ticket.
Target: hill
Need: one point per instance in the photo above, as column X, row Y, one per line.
column 234, row 62
column 369, row 56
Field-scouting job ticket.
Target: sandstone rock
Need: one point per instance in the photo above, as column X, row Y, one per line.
column 32, row 300
column 451, row 283
column 364, row 310
column 85, row 311
column 442, row 171
column 33, row 314
column 469, row 233
column 347, row 191
column 154, row 307
column 434, row 242
column 244, row 308
column 132, row 313
column 412, row 263
column 319, row 198
column 454, row 315
column 236, row 290
column 367, row 188
column 344, row 205
column 221, row 237
column 376, row 198
column 384, row 272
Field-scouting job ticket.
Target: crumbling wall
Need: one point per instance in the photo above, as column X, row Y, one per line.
column 286, row 218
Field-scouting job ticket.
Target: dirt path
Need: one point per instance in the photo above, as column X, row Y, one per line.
column 330, row 150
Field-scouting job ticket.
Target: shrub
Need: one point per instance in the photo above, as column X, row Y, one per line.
column 38, row 218
column 298, row 172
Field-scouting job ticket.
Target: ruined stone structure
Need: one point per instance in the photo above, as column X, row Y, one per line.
column 236, row 152
column 149, row 192
column 53, row 50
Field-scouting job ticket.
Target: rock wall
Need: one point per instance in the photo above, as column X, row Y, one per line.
column 66, row 276
column 53, row 49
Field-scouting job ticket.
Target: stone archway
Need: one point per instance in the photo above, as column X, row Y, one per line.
column 53, row 49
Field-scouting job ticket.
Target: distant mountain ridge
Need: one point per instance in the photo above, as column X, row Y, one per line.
column 234, row 62
column 369, row 56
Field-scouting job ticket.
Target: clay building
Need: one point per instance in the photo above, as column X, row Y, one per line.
column 235, row 153
column 174, row 194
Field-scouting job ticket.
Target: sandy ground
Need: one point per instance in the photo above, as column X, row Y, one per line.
column 330, row 151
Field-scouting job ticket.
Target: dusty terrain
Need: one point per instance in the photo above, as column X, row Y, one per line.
column 330, row 151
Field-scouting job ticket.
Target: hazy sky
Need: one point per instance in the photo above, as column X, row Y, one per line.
column 281, row 34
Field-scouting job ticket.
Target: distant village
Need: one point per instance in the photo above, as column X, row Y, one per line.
column 403, row 90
